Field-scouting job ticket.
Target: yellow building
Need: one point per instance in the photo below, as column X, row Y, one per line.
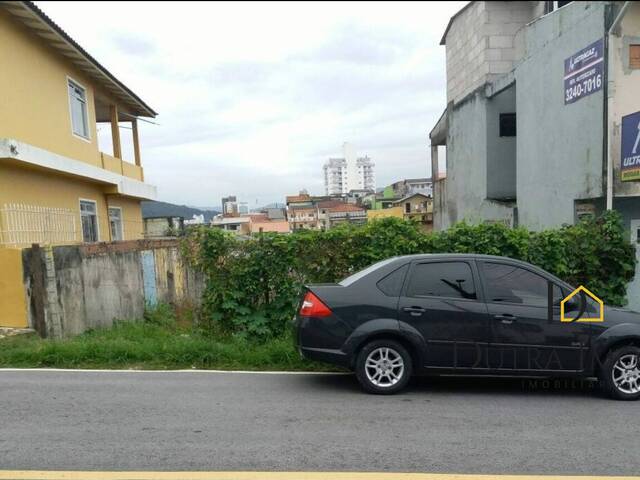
column 397, row 212
column 56, row 186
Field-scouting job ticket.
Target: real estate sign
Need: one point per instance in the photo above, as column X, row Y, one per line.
column 630, row 148
column 583, row 72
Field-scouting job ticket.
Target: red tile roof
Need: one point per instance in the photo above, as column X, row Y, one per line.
column 346, row 207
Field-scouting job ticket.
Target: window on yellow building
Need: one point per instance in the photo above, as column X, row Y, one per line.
column 115, row 223
column 89, row 220
column 78, row 108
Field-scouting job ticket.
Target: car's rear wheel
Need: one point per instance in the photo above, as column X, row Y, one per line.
column 383, row 367
column 620, row 373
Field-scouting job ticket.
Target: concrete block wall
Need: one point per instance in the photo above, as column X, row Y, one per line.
column 71, row 289
column 483, row 44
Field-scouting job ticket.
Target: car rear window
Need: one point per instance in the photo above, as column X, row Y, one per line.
column 442, row 279
column 391, row 285
column 362, row 273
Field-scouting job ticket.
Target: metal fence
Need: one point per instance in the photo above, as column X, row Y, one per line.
column 21, row 225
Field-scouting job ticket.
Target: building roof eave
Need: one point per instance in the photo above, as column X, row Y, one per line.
column 42, row 25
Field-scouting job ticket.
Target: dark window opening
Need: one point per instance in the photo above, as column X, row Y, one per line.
column 391, row 285
column 507, row 124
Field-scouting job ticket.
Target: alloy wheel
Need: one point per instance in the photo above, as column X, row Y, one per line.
column 626, row 374
column 384, row 367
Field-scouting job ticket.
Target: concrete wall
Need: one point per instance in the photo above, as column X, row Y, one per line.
column 501, row 151
column 71, row 289
column 559, row 146
column 466, row 182
column 482, row 44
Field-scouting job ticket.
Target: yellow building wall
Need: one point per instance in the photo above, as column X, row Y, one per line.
column 34, row 99
column 397, row 212
column 132, row 224
column 13, row 303
column 39, row 188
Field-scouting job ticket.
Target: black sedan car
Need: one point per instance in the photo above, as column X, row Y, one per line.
column 469, row 315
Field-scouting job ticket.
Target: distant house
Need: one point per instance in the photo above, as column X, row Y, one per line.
column 238, row 225
column 273, row 221
column 303, row 218
column 410, row 186
column 346, row 213
column 155, row 227
column 418, row 207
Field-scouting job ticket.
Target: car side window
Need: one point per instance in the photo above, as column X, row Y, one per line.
column 442, row 279
column 391, row 285
column 511, row 284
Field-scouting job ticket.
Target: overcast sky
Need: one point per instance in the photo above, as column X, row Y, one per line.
column 254, row 97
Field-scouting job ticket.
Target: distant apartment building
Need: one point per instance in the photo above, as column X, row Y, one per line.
column 230, row 206
column 541, row 126
column 409, row 186
column 342, row 175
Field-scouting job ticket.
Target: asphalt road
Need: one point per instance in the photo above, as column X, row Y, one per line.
column 235, row 421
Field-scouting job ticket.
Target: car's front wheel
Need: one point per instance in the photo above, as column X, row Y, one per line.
column 620, row 374
column 383, row 367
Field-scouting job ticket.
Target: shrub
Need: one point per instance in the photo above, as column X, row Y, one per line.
column 253, row 285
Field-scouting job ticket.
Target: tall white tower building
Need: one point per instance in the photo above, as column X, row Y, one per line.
column 341, row 175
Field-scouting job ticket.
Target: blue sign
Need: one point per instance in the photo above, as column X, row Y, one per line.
column 583, row 72
column 630, row 149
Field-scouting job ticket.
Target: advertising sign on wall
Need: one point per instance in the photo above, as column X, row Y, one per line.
column 583, row 72
column 630, row 148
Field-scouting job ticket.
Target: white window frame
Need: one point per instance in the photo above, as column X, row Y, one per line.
column 88, row 200
column 109, row 207
column 86, row 106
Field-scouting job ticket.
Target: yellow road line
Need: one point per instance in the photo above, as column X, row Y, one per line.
column 76, row 475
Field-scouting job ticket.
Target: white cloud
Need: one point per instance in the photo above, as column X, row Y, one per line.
column 253, row 97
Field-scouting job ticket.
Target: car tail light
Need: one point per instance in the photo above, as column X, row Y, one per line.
column 312, row 306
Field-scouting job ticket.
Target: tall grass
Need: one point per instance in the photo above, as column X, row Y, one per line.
column 159, row 341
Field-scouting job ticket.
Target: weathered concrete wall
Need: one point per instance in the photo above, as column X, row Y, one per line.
column 501, row 151
column 557, row 165
column 89, row 286
column 467, row 161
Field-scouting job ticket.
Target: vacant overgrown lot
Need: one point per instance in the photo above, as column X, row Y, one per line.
column 159, row 341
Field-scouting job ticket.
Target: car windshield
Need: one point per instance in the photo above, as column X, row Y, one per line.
column 358, row 275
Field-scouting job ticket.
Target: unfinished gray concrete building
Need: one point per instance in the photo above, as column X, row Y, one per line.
column 538, row 97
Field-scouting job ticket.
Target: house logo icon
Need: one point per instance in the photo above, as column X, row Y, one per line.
column 577, row 291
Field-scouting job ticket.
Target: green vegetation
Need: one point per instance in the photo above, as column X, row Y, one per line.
column 254, row 285
column 160, row 341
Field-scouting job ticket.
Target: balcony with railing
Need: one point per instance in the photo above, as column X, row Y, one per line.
column 118, row 124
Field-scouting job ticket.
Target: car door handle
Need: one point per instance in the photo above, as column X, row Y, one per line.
column 414, row 311
column 506, row 318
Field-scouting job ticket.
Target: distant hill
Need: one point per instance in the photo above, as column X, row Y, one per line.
column 164, row 209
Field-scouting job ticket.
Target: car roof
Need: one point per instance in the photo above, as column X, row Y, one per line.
column 477, row 256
